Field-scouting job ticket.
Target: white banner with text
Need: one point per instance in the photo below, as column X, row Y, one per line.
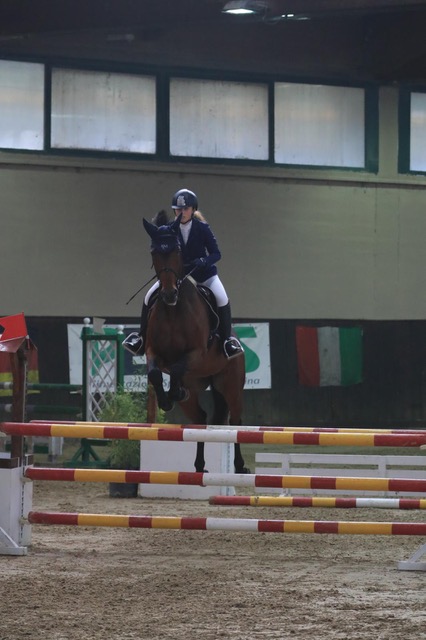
column 254, row 337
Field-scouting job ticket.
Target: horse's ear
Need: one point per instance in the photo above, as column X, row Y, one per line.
column 150, row 228
column 175, row 224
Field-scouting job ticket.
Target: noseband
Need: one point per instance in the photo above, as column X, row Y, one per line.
column 169, row 295
column 170, row 270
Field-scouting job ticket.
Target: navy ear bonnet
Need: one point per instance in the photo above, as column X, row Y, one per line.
column 164, row 241
column 165, row 238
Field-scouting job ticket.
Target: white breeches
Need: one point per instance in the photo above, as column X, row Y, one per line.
column 214, row 284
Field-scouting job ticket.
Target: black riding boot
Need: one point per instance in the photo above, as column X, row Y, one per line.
column 231, row 344
column 135, row 342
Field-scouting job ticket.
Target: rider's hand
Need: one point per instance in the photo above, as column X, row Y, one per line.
column 198, row 262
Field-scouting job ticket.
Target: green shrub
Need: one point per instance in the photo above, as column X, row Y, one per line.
column 125, row 454
column 124, row 406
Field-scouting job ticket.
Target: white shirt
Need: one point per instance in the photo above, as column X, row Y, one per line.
column 185, row 229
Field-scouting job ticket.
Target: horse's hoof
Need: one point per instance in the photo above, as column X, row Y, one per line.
column 183, row 395
column 243, row 470
column 166, row 406
column 156, row 378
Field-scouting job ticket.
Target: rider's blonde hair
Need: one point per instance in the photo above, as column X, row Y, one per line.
column 199, row 216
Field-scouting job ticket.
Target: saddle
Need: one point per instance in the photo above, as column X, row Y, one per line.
column 208, row 297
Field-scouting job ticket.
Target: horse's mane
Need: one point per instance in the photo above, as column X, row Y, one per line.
column 161, row 218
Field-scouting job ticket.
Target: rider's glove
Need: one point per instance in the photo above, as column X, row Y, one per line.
column 199, row 262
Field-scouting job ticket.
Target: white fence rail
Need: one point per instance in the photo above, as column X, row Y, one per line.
column 360, row 466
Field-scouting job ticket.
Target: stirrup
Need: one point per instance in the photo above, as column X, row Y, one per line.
column 134, row 344
column 232, row 347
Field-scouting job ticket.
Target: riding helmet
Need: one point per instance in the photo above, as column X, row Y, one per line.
column 184, row 198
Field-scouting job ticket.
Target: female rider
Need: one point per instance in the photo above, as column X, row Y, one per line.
column 200, row 253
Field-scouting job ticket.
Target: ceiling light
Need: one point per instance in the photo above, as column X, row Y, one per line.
column 245, row 7
column 293, row 16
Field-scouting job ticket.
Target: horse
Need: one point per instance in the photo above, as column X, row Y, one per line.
column 180, row 341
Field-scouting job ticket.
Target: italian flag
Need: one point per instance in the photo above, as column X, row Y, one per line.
column 329, row 356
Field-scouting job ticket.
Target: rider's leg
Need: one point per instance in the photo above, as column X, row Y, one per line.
column 135, row 342
column 231, row 345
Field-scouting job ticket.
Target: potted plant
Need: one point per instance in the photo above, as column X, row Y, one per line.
column 124, row 406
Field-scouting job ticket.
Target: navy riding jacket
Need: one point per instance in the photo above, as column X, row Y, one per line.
column 201, row 244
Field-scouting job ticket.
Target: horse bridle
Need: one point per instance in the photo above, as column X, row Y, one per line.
column 176, row 275
column 178, row 280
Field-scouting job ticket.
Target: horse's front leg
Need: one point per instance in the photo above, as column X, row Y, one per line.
column 155, row 377
column 177, row 392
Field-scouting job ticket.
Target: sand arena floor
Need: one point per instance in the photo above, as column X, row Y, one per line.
column 79, row 583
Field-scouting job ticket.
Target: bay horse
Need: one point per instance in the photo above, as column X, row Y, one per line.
column 180, row 342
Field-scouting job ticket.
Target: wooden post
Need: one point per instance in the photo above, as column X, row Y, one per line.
column 18, row 365
column 151, row 409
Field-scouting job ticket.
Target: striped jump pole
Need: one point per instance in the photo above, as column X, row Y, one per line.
column 227, row 524
column 41, row 386
column 236, row 427
column 318, row 501
column 228, row 479
column 222, row 436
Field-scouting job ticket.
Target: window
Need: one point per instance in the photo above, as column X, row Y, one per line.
column 103, row 111
column 21, row 105
column 418, row 132
column 114, row 111
column 218, row 119
column 319, row 125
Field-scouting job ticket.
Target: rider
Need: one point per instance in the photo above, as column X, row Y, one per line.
column 200, row 253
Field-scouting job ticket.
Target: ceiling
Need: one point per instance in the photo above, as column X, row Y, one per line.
column 365, row 40
column 18, row 17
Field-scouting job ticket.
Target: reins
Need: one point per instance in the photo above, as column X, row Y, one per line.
column 142, row 287
column 179, row 281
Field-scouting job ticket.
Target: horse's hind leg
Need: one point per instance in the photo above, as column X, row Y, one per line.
column 238, row 456
column 222, row 415
column 200, row 463
column 196, row 415
column 239, row 460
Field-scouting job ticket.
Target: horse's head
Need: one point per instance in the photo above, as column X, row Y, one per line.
column 166, row 256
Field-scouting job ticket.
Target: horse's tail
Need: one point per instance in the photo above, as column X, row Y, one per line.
column 220, row 407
